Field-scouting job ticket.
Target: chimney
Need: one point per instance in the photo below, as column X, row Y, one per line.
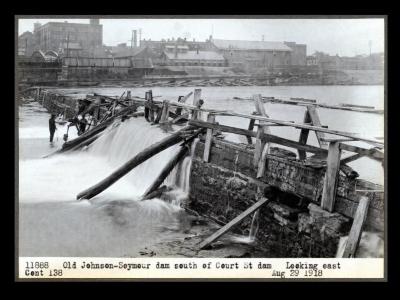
column 135, row 38
column 176, row 50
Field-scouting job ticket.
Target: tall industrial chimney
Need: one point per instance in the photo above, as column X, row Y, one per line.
column 135, row 38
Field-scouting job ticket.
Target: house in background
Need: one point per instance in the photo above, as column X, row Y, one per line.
column 250, row 55
column 26, row 43
column 179, row 55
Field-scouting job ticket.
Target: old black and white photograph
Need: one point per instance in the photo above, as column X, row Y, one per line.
column 193, row 137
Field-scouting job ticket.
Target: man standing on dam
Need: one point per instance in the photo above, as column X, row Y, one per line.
column 52, row 127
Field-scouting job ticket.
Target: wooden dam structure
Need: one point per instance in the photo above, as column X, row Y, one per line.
column 303, row 203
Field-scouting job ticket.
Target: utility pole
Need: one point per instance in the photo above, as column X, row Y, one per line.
column 370, row 46
column 140, row 37
column 68, row 44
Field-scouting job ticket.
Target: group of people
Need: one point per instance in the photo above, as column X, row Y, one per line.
column 81, row 123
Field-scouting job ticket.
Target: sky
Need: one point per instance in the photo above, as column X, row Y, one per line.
column 345, row 37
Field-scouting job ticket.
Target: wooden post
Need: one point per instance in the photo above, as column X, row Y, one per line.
column 207, row 146
column 331, row 175
column 356, row 229
column 149, row 112
column 260, row 144
column 251, row 127
column 263, row 160
column 166, row 170
column 232, row 223
column 304, row 135
column 165, row 112
column 196, row 98
column 316, row 122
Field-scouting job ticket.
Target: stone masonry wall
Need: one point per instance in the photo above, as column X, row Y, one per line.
column 292, row 224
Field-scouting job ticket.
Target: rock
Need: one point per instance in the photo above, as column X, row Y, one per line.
column 332, row 221
column 283, row 210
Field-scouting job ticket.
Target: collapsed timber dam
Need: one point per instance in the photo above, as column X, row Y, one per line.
column 219, row 168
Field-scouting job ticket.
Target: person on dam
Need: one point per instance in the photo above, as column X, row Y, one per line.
column 82, row 124
column 52, row 127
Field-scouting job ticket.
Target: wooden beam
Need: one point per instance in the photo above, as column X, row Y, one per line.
column 296, row 125
column 354, row 237
column 351, row 158
column 144, row 155
column 250, row 128
column 165, row 112
column 196, row 99
column 272, row 138
column 260, row 144
column 166, row 170
column 316, row 122
column 209, row 135
column 372, row 153
column 263, row 160
column 232, row 223
column 331, row 175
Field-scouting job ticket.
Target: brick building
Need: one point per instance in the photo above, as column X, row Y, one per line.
column 26, row 44
column 299, row 53
column 250, row 55
column 64, row 36
column 182, row 56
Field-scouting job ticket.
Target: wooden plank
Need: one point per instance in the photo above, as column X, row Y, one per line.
column 269, row 120
column 165, row 112
column 296, row 125
column 183, row 100
column 196, row 99
column 328, row 140
column 304, row 136
column 209, row 135
column 263, row 160
column 351, row 158
column 166, row 170
column 272, row 138
column 316, row 122
column 250, row 128
column 372, row 153
column 354, row 237
column 331, row 175
column 232, row 223
column 260, row 144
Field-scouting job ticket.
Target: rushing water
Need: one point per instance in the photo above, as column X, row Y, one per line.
column 54, row 223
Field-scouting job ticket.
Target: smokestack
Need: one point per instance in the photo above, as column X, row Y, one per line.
column 176, row 50
column 197, row 49
column 135, row 38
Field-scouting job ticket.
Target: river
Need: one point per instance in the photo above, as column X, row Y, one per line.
column 54, row 223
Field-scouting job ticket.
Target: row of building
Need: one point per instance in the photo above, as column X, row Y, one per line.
column 86, row 40
column 78, row 45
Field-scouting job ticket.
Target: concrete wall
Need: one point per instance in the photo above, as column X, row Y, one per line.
column 293, row 224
